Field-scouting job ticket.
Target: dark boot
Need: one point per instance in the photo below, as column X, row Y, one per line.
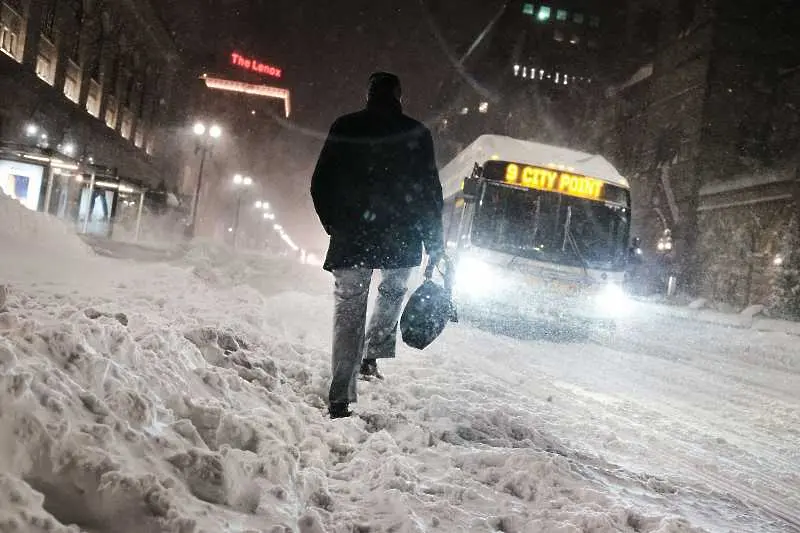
column 369, row 369
column 339, row 410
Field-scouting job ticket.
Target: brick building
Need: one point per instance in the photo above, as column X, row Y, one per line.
column 88, row 107
column 705, row 125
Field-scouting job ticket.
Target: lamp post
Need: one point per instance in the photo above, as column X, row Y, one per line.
column 241, row 183
column 204, row 137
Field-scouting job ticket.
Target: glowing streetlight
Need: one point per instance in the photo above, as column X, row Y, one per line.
column 69, row 149
column 204, row 144
column 31, row 130
column 241, row 182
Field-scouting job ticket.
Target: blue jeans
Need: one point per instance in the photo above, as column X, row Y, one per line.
column 350, row 341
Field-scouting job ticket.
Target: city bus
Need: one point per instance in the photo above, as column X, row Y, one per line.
column 538, row 231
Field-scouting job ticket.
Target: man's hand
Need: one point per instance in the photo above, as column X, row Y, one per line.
column 435, row 256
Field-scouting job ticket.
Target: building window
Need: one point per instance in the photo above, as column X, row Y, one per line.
column 594, row 21
column 577, row 18
column 544, row 13
column 562, row 14
column 49, row 18
column 138, row 140
column 558, row 35
column 93, row 99
column 575, row 40
column 111, row 112
column 46, row 61
column 126, row 129
column 72, row 82
column 150, row 145
column 11, row 25
column 527, row 9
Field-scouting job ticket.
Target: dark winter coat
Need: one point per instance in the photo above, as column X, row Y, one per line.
column 376, row 190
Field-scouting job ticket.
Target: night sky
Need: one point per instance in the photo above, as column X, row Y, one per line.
column 327, row 53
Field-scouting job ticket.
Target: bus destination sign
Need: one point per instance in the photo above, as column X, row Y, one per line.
column 548, row 179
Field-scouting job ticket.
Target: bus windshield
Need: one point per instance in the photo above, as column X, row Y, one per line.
column 552, row 227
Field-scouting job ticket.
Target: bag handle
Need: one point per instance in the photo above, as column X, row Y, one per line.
column 447, row 275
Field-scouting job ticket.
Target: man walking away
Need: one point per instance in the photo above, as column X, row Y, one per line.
column 376, row 191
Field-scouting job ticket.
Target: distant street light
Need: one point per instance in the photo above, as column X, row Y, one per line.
column 203, row 144
column 241, row 182
column 31, row 130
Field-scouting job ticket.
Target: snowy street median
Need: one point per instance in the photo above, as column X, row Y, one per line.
column 188, row 395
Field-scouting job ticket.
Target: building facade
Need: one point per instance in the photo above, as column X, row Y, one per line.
column 705, row 126
column 89, row 97
column 536, row 72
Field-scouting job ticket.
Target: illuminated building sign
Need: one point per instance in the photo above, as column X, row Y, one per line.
column 254, row 65
column 250, row 88
column 553, row 180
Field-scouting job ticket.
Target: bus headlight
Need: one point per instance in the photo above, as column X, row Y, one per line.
column 612, row 301
column 474, row 277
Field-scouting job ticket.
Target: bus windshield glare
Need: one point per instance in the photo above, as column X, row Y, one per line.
column 551, row 226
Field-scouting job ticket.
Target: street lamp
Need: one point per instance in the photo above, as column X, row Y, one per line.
column 238, row 179
column 31, row 130
column 241, row 182
column 203, row 144
column 68, row 149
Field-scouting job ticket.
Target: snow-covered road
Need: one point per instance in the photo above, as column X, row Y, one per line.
column 184, row 392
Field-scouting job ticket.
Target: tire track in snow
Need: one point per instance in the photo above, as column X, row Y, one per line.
column 768, row 505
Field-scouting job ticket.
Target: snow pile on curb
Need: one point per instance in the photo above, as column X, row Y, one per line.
column 21, row 226
column 752, row 319
column 269, row 274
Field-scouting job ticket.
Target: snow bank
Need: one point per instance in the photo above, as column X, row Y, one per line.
column 190, row 397
column 20, row 226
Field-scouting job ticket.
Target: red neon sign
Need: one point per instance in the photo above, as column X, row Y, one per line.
column 253, row 65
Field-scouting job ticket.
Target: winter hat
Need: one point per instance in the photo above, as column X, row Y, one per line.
column 383, row 84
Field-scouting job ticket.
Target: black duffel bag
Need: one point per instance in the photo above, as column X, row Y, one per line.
column 428, row 309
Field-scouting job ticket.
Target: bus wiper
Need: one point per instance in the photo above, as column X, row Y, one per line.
column 569, row 237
